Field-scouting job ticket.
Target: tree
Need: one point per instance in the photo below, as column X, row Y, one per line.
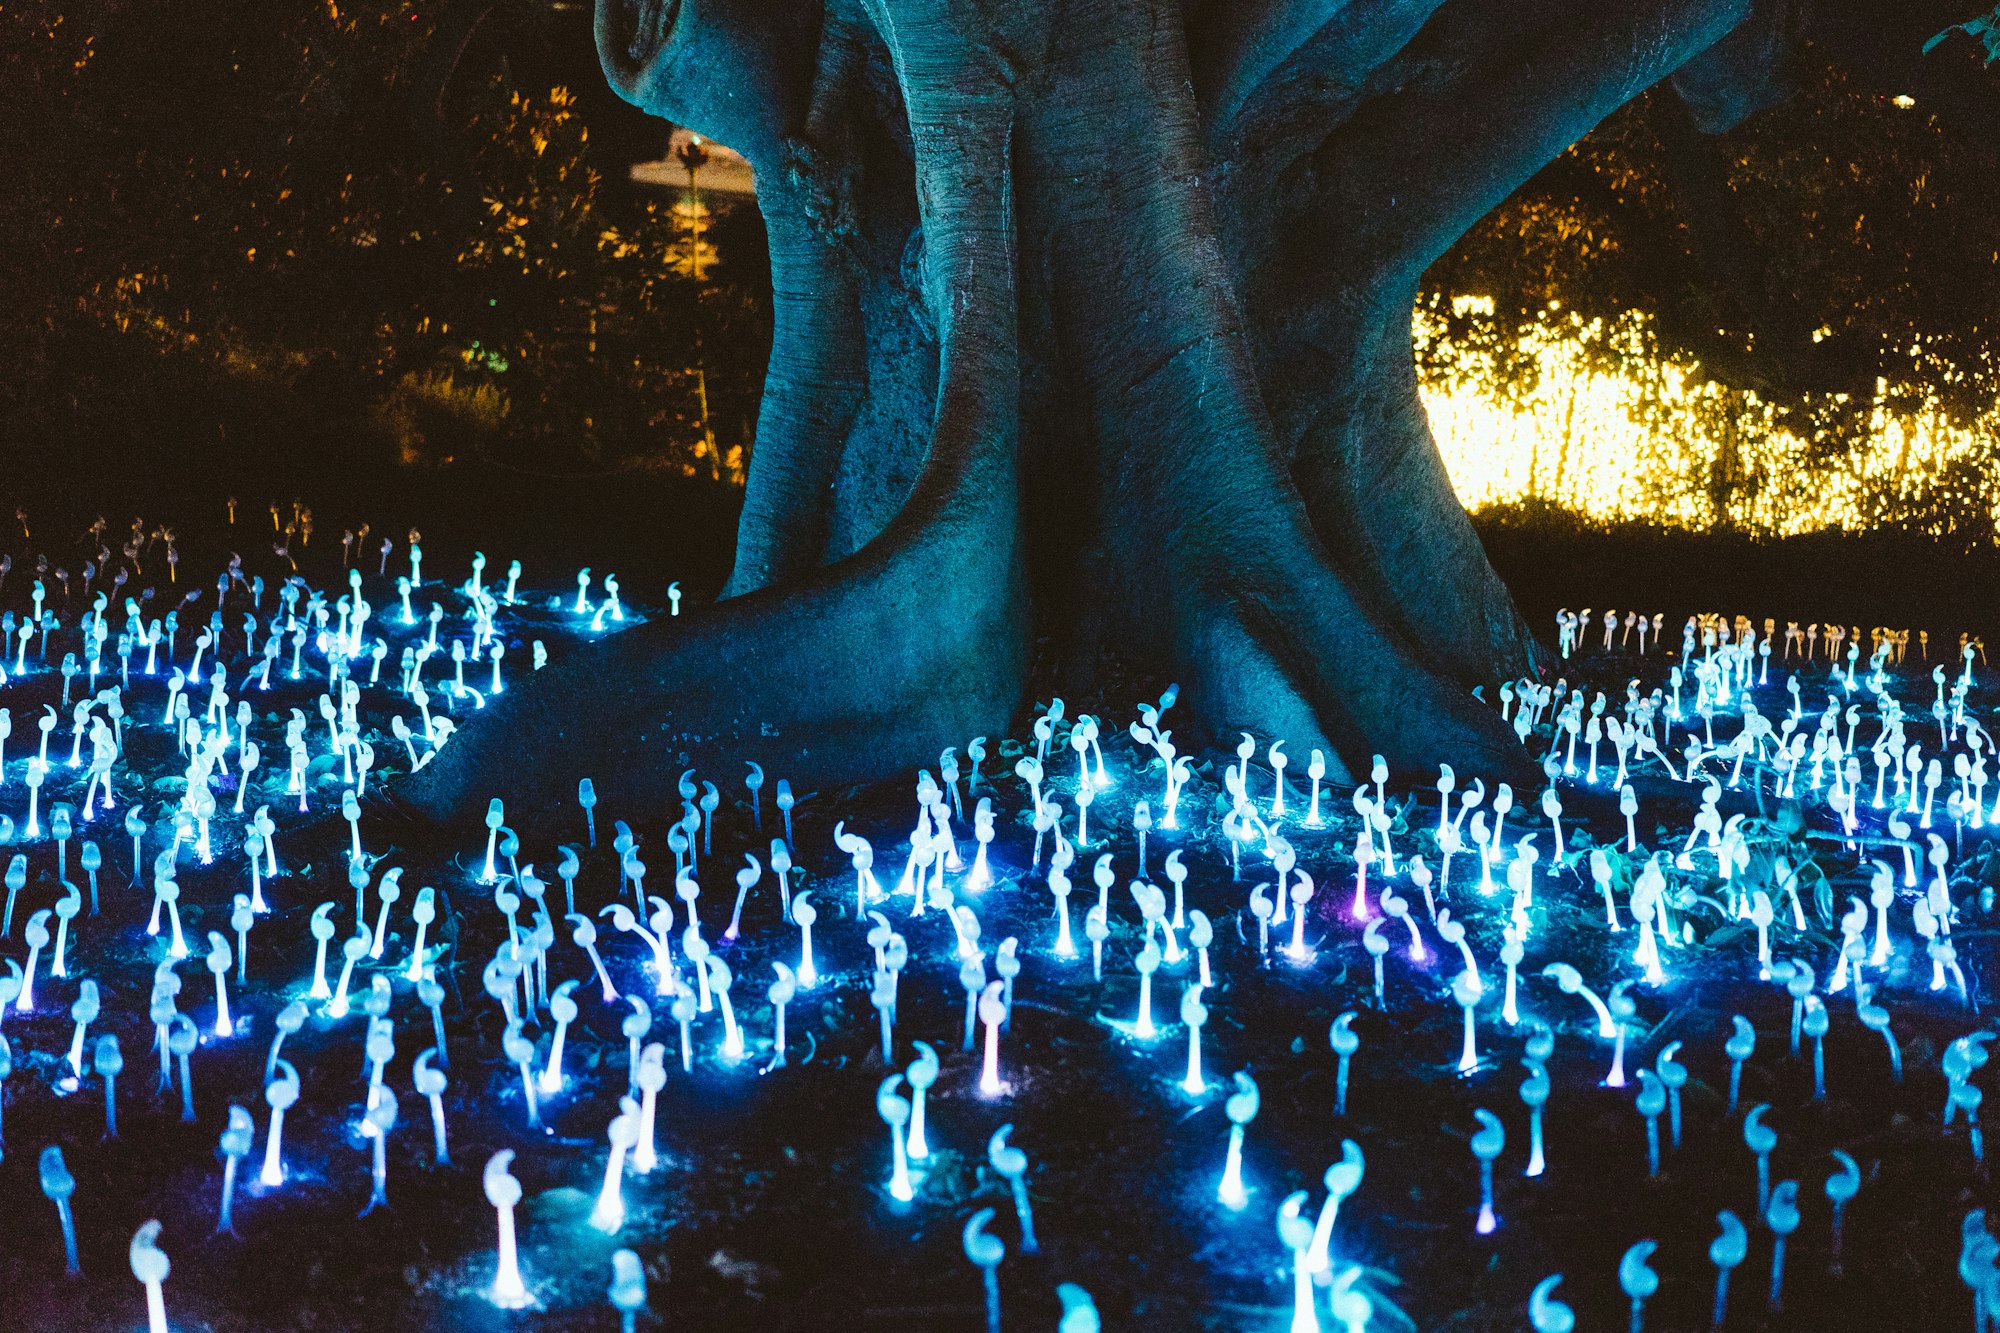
column 1093, row 346
column 338, row 208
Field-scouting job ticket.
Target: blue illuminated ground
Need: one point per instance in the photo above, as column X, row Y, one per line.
column 772, row 1204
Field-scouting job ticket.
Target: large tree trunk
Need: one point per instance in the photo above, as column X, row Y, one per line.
column 1083, row 339
column 872, row 654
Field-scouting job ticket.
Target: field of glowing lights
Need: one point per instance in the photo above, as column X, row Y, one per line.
column 1082, row 1026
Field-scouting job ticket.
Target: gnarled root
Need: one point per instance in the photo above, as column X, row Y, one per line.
column 873, row 665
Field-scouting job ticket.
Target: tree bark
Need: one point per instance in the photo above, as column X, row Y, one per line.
column 1147, row 328
column 1378, row 493
column 812, row 391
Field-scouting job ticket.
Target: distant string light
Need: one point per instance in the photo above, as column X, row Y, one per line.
column 1585, row 414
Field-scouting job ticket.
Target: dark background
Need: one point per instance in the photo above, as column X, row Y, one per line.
column 389, row 263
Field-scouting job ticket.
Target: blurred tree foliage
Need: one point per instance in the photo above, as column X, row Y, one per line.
column 1831, row 261
column 1833, row 240
column 393, row 212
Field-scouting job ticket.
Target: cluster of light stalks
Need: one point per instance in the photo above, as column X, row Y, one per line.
column 1586, row 415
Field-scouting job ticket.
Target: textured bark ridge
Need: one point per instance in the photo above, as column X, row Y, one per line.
column 1092, row 332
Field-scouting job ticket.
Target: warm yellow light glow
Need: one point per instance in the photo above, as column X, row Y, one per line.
column 1586, row 415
